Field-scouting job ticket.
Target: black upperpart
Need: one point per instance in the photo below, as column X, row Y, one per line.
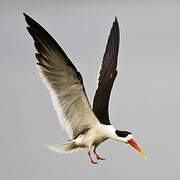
column 122, row 133
column 107, row 76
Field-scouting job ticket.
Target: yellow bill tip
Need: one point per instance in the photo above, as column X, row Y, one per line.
column 144, row 156
column 134, row 144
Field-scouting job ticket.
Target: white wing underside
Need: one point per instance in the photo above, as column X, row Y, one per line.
column 72, row 107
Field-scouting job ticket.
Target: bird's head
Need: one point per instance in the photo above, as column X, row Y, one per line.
column 127, row 137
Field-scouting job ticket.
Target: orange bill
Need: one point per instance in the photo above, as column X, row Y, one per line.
column 134, row 144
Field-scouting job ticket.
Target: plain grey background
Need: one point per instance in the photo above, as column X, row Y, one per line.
column 145, row 98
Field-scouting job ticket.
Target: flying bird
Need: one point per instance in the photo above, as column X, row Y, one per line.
column 87, row 126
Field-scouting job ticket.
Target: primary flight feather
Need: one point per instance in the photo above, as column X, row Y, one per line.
column 86, row 127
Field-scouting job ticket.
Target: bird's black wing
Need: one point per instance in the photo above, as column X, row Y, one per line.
column 64, row 82
column 107, row 76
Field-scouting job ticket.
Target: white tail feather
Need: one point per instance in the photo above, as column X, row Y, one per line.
column 63, row 148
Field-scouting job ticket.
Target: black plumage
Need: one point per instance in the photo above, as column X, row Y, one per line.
column 107, row 76
column 45, row 44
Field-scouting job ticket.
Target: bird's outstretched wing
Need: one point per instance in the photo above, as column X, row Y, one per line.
column 107, row 76
column 64, row 82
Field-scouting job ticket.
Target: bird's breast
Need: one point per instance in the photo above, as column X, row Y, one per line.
column 99, row 140
column 93, row 136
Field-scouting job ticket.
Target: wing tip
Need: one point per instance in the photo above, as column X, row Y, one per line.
column 115, row 23
column 31, row 22
column 27, row 18
column 25, row 15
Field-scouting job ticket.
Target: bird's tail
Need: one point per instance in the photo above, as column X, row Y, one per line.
column 63, row 148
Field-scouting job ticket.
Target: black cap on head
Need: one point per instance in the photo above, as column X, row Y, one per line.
column 122, row 134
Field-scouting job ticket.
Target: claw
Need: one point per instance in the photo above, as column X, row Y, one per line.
column 99, row 158
column 93, row 162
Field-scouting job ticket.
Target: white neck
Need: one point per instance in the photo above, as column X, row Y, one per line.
column 111, row 133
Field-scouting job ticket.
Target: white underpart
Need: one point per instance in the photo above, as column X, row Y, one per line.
column 98, row 133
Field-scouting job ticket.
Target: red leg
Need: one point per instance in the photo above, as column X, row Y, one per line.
column 89, row 154
column 97, row 156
